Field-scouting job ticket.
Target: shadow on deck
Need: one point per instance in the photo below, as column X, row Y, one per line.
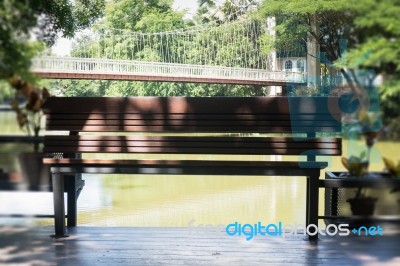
column 186, row 246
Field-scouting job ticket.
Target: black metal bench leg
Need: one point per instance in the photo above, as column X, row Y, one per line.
column 313, row 191
column 71, row 202
column 59, row 211
column 308, row 201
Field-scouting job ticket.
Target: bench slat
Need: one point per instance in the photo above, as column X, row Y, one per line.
column 229, row 125
column 193, row 150
column 200, row 129
column 194, row 144
column 191, row 145
column 188, row 138
column 193, row 168
column 186, row 116
column 197, row 105
column 183, row 163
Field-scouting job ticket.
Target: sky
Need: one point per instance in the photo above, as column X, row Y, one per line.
column 190, row 5
column 63, row 46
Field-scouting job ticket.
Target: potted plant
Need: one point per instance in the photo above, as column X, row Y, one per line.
column 357, row 166
column 366, row 124
column 27, row 104
column 360, row 204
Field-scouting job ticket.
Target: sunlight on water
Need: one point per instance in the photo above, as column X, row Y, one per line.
column 149, row 200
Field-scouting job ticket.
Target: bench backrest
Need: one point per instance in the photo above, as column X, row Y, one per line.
column 303, row 116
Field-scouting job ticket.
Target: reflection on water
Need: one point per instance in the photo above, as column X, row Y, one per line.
column 150, row 200
column 8, row 123
column 175, row 200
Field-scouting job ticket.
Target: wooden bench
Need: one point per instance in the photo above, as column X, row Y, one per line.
column 231, row 125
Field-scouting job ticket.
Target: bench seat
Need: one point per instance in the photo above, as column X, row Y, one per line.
column 182, row 167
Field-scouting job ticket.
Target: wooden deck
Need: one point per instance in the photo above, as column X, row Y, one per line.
column 186, row 246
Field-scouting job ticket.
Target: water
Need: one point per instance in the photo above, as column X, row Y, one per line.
column 147, row 200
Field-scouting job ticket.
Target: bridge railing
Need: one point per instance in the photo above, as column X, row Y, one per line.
column 107, row 66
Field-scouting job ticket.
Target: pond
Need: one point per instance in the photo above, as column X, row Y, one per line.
column 182, row 200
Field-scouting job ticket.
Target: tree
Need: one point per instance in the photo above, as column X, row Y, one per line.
column 150, row 17
column 43, row 20
column 352, row 35
column 210, row 11
column 125, row 16
column 141, row 16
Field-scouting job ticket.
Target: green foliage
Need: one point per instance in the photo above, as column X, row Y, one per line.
column 43, row 19
column 220, row 12
column 6, row 92
column 353, row 35
column 390, row 96
column 210, row 47
column 305, row 91
column 73, row 88
column 390, row 99
column 137, row 15
column 367, row 26
column 327, row 21
column 392, row 131
column 158, row 21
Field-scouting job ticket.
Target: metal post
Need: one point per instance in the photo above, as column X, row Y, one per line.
column 59, row 211
column 71, row 201
column 308, row 201
column 313, row 202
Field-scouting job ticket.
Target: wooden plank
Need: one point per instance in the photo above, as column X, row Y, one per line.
column 193, row 150
column 191, row 145
column 20, row 139
column 212, row 145
column 86, row 144
column 196, row 105
column 175, row 246
column 186, row 116
column 192, row 139
column 195, row 128
column 191, row 142
column 193, row 122
column 301, row 170
column 187, row 163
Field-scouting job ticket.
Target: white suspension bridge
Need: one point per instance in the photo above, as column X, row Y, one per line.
column 231, row 53
column 87, row 68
